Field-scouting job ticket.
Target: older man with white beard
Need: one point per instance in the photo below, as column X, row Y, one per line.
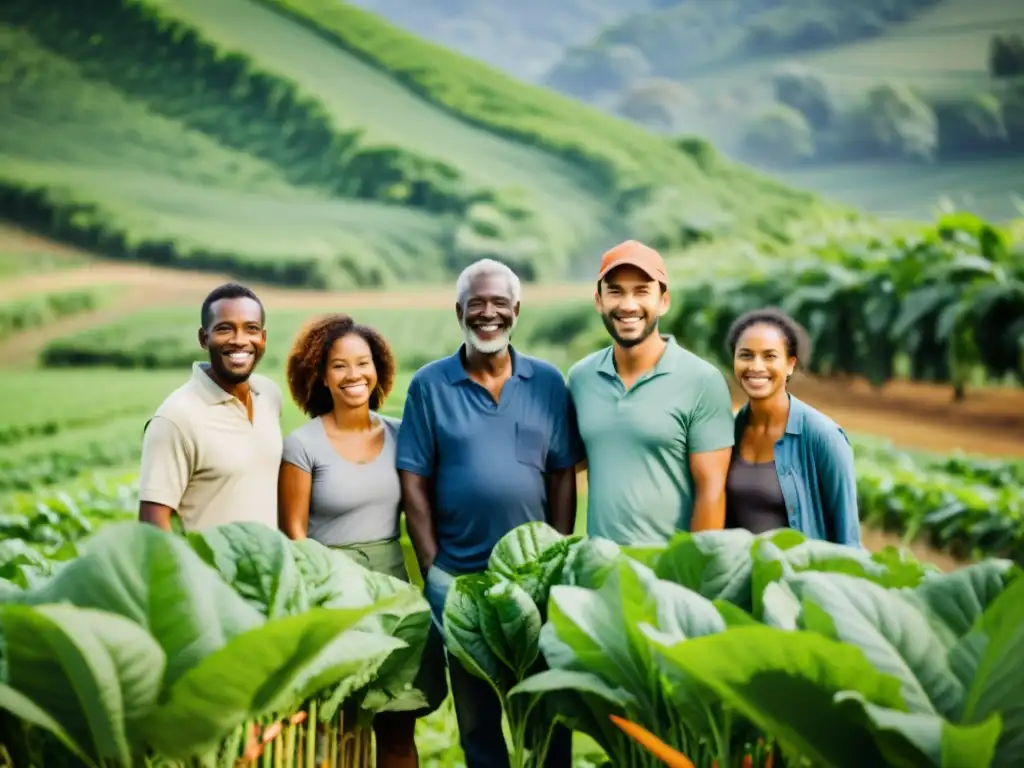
column 488, row 442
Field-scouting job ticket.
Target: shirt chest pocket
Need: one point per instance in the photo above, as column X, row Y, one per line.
column 531, row 445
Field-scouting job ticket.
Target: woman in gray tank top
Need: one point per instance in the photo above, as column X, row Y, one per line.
column 792, row 466
column 338, row 483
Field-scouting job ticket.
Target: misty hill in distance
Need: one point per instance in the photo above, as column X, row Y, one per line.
column 890, row 105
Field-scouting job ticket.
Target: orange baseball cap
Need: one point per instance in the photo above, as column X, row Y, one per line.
column 634, row 254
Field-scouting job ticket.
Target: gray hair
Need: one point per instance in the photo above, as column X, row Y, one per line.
column 482, row 268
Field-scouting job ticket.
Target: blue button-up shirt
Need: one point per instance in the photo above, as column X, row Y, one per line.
column 814, row 462
column 487, row 459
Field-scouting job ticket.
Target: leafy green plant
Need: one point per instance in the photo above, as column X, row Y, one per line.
column 171, row 662
column 946, row 302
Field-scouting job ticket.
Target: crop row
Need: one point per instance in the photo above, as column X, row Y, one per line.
column 34, row 311
column 949, row 301
column 40, row 404
column 879, row 660
column 740, row 649
column 699, row 193
column 171, row 67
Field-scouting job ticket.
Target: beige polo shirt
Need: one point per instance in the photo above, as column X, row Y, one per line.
column 202, row 457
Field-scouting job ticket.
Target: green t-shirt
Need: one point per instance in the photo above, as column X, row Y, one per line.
column 638, row 442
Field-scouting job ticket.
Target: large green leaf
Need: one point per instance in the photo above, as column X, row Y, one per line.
column 532, row 555
column 28, row 712
column 998, row 686
column 267, row 670
column 785, row 682
column 598, row 632
column 155, row 580
column 257, row 562
column 96, row 675
column 715, row 564
column 892, row 632
column 464, row 629
column 589, row 561
column 772, row 562
column 493, row 627
column 918, row 740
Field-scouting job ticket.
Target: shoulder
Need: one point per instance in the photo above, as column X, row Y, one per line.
column 182, row 408
column 304, row 435
column 588, row 365
column 391, row 424
column 267, row 386
column 820, row 428
column 543, row 371
column 432, row 373
column 696, row 368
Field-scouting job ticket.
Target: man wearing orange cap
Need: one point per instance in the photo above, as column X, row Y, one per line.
column 656, row 420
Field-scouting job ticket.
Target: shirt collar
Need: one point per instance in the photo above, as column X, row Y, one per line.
column 667, row 363
column 209, row 389
column 456, row 371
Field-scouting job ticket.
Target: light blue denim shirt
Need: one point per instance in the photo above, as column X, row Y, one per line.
column 814, row 461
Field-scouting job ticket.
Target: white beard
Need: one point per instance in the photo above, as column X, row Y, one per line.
column 492, row 347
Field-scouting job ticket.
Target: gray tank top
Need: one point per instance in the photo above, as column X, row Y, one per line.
column 753, row 497
column 349, row 503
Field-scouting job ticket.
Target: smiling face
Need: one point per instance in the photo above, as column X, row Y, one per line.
column 235, row 338
column 762, row 361
column 350, row 375
column 489, row 315
column 631, row 304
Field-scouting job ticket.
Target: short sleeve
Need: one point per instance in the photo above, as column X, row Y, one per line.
column 566, row 448
column 712, row 425
column 168, row 461
column 837, row 482
column 295, row 452
column 416, row 438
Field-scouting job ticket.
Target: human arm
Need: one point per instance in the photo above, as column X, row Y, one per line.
column 838, row 486
column 710, row 439
column 565, row 451
column 294, row 489
column 415, row 460
column 168, row 460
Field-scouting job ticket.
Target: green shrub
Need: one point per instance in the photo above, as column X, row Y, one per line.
column 800, row 89
column 900, row 123
column 31, row 312
column 971, row 125
column 778, row 136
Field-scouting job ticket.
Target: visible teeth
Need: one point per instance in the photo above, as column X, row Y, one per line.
column 487, row 328
column 629, row 320
column 240, row 355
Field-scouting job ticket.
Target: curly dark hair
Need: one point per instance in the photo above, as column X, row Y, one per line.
column 798, row 343
column 307, row 362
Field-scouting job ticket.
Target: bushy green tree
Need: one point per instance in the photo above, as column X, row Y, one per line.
column 1006, row 56
column 655, row 102
column 900, row 123
column 779, row 135
column 971, row 125
column 804, row 91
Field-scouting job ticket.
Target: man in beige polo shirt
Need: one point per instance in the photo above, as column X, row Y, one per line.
column 212, row 451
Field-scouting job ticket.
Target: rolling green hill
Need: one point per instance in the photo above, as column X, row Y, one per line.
column 890, row 106
column 308, row 142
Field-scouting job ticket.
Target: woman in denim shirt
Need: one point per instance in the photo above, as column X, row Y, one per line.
column 792, row 466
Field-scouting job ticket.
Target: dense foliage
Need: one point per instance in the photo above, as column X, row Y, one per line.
column 948, row 302
column 221, row 644
column 731, row 647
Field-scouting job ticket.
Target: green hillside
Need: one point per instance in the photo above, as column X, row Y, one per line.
column 881, row 104
column 310, row 143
